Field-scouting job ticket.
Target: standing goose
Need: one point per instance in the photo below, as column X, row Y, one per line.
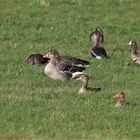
column 135, row 56
column 34, row 59
column 59, row 68
column 85, row 89
column 97, row 40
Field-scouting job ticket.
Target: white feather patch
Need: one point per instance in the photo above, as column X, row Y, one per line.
column 137, row 62
column 130, row 43
column 97, row 57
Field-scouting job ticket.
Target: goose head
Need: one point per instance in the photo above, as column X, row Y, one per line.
column 120, row 96
column 132, row 44
column 51, row 54
column 83, row 78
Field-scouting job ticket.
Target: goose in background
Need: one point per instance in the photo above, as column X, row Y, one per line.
column 97, row 39
column 121, row 100
column 135, row 55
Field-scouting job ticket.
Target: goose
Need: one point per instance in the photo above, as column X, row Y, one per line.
column 34, row 59
column 97, row 40
column 59, row 68
column 135, row 55
column 85, row 89
column 121, row 100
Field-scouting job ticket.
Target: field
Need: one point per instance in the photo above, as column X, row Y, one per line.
column 35, row 107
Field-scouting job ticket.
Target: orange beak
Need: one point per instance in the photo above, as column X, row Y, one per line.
column 46, row 56
column 117, row 95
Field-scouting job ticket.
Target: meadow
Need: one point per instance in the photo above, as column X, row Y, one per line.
column 35, row 107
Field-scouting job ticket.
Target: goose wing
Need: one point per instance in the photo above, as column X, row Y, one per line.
column 99, row 51
column 70, row 68
column 75, row 61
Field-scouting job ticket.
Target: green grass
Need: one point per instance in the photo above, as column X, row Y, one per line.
column 35, row 107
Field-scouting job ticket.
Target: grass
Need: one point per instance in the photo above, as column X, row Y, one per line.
column 35, row 107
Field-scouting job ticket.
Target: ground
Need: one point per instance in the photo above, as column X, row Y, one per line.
column 36, row 107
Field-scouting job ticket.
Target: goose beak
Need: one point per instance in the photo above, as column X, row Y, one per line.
column 46, row 56
column 129, row 43
column 116, row 96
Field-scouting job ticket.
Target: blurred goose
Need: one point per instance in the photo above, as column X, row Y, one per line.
column 97, row 35
column 121, row 100
column 135, row 56
column 97, row 40
column 59, row 68
column 36, row 59
column 85, row 89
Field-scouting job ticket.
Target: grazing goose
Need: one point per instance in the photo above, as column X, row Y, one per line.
column 97, row 40
column 135, row 56
column 59, row 68
column 85, row 89
column 36, row 59
column 121, row 100
column 97, row 35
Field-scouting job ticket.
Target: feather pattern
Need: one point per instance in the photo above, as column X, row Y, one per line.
column 74, row 60
column 61, row 67
column 99, row 52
